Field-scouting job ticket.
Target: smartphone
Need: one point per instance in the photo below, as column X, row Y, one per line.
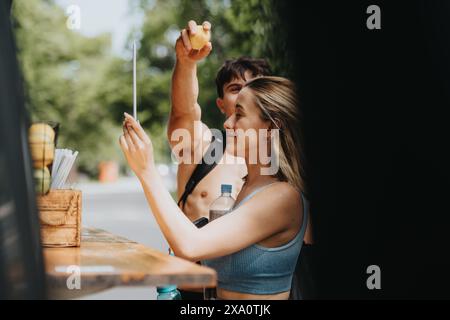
column 201, row 222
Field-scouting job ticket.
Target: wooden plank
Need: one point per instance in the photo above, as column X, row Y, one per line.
column 105, row 260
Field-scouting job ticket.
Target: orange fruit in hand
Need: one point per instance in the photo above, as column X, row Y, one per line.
column 200, row 38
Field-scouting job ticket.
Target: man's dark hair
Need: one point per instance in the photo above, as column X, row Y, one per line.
column 236, row 68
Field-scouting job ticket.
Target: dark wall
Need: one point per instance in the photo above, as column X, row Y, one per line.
column 375, row 105
column 21, row 264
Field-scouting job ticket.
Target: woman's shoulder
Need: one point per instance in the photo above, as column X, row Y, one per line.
column 284, row 200
column 284, row 195
column 273, row 208
column 277, row 196
column 285, row 188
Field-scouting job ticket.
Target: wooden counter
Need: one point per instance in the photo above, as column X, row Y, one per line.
column 105, row 260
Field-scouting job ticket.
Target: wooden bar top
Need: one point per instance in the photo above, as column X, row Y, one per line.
column 105, row 260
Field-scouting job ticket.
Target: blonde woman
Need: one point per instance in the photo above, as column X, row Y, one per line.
column 255, row 247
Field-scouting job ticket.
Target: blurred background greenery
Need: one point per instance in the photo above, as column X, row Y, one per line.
column 77, row 81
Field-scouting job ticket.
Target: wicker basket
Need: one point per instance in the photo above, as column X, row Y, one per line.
column 60, row 217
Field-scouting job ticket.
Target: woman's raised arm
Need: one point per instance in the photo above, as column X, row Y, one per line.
column 267, row 213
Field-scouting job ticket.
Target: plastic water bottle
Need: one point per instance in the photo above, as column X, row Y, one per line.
column 223, row 204
column 169, row 292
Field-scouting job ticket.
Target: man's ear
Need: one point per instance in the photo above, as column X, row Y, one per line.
column 219, row 103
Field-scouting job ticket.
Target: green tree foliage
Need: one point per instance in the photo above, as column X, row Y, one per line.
column 76, row 81
column 63, row 71
column 239, row 28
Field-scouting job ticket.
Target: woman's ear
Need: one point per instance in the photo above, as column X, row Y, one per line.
column 219, row 103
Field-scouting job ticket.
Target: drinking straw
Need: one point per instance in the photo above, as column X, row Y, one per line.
column 62, row 164
column 134, row 81
column 56, row 163
column 69, row 167
column 58, row 169
column 55, row 166
column 62, row 170
column 66, row 169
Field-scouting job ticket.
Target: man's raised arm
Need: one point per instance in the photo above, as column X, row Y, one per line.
column 184, row 94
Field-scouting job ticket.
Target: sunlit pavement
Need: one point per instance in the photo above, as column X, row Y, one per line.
column 121, row 208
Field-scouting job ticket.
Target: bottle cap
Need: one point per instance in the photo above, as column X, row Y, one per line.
column 225, row 188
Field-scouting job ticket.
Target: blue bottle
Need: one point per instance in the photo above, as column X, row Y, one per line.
column 169, row 292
